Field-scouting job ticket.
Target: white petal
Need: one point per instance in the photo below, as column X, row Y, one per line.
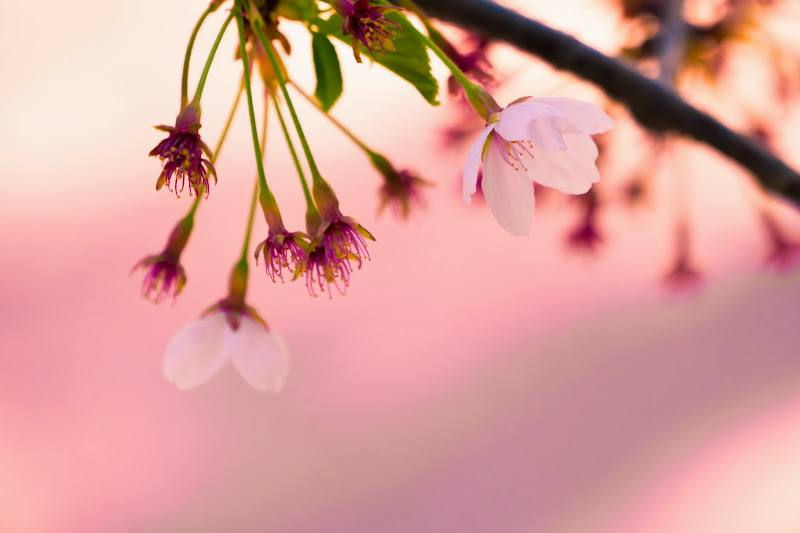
column 588, row 118
column 572, row 171
column 261, row 357
column 508, row 192
column 531, row 121
column 472, row 164
column 195, row 353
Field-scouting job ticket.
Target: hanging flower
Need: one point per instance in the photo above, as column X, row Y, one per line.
column 585, row 236
column 181, row 154
column 546, row 140
column 403, row 193
column 283, row 250
column 367, row 25
column 339, row 242
column 165, row 277
column 474, row 64
column 227, row 331
column 400, row 189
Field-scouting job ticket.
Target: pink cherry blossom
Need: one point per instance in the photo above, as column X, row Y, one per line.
column 201, row 348
column 547, row 140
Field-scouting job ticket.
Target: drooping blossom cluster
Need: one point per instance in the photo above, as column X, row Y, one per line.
column 546, row 140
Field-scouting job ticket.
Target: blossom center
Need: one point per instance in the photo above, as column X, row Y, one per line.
column 513, row 152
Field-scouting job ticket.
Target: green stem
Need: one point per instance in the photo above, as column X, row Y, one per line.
column 306, row 192
column 185, row 76
column 457, row 73
column 215, row 154
column 333, row 119
column 315, row 175
column 249, row 230
column 262, row 180
column 199, row 92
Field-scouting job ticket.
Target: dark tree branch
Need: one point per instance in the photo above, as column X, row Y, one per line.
column 653, row 106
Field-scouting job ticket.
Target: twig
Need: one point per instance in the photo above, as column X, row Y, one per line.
column 652, row 105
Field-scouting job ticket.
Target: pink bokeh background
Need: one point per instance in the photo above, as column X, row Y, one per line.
column 469, row 381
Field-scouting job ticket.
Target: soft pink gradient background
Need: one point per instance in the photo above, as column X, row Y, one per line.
column 469, row 381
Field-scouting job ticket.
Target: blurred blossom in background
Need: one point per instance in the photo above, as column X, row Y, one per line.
column 469, row 381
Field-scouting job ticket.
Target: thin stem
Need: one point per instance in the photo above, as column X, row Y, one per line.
column 220, row 142
column 262, row 180
column 199, row 92
column 249, row 230
column 227, row 126
column 333, row 119
column 185, row 76
column 306, row 192
column 457, row 73
column 315, row 175
column 240, row 271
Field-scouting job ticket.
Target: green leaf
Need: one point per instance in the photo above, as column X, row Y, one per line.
column 410, row 59
column 329, row 73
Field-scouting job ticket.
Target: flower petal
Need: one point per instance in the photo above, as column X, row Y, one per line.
column 572, row 171
column 261, row 357
column 588, row 118
column 195, row 353
column 473, row 162
column 508, row 192
column 528, row 121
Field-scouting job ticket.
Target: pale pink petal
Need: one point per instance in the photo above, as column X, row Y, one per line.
column 588, row 118
column 473, row 162
column 572, row 171
column 195, row 353
column 508, row 192
column 528, row 120
column 261, row 357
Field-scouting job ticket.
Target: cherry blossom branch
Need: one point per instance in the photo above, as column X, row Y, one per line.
column 652, row 105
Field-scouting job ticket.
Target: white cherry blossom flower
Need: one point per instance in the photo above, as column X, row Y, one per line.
column 201, row 348
column 546, row 140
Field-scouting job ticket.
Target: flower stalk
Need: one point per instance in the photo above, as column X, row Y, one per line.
column 201, row 84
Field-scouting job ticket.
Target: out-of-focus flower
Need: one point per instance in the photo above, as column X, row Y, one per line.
column 546, row 140
column 181, row 154
column 784, row 254
column 586, row 237
column 165, row 275
column 683, row 277
column 201, row 348
column 367, row 25
column 401, row 190
column 283, row 250
column 403, row 193
column 473, row 63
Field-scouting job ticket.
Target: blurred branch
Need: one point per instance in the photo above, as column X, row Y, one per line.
column 652, row 105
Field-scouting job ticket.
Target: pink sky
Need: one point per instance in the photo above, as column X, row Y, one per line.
column 469, row 380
